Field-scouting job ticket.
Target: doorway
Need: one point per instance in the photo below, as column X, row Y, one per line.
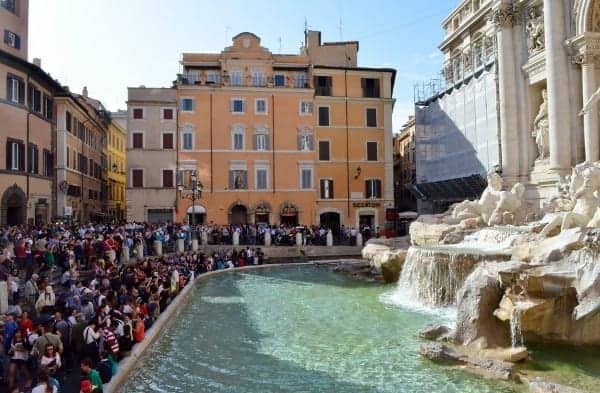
column 238, row 215
column 331, row 220
column 13, row 207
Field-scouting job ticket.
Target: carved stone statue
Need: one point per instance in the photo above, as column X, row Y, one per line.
column 540, row 129
column 484, row 207
column 510, row 208
column 586, row 202
column 535, row 32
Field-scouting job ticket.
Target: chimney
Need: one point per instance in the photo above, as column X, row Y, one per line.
column 312, row 39
column 37, row 61
column 84, row 92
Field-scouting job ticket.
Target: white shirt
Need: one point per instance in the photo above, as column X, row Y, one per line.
column 41, row 388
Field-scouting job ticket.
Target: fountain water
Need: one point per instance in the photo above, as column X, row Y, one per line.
column 516, row 334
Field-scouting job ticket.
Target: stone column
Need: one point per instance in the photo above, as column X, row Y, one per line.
column 590, row 119
column 502, row 18
column 557, row 79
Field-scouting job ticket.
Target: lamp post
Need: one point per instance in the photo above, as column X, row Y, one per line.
column 194, row 193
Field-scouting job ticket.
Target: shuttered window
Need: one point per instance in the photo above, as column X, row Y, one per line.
column 238, row 106
column 324, row 151
column 68, row 120
column 305, row 142
column 323, row 116
column 306, row 178
column 238, row 179
column 188, row 141
column 32, row 159
column 261, row 179
column 167, row 141
column 15, row 89
column 371, row 114
column 15, row 155
column 168, row 114
column 34, row 99
column 373, row 188
column 49, row 163
column 326, row 188
column 138, row 113
column 138, row 140
column 167, row 178
column 137, row 178
column 261, row 142
column 371, row 151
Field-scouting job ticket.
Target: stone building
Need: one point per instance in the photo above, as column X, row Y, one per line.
column 543, row 56
column 286, row 138
column 81, row 134
column 26, row 131
column 404, row 167
column 116, row 143
column 151, row 157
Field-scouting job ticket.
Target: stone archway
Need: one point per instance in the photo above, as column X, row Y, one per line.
column 13, row 207
column 238, row 214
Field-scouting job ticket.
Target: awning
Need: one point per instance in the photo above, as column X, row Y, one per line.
column 408, row 215
column 196, row 209
column 452, row 190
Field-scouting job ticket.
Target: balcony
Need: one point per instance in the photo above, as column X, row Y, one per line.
column 225, row 80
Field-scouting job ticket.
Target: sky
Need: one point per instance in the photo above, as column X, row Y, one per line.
column 110, row 45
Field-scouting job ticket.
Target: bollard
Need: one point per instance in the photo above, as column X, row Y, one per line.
column 204, row 238
column 125, row 255
column 3, row 297
column 298, row 238
column 236, row 238
column 359, row 240
column 268, row 238
column 140, row 252
column 180, row 245
column 158, row 248
column 194, row 244
column 329, row 238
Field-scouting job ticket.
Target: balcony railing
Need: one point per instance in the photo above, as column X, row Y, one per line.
column 224, row 81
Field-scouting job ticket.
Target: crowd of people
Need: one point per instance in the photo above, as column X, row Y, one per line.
column 78, row 298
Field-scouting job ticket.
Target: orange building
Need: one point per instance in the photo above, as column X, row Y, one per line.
column 277, row 138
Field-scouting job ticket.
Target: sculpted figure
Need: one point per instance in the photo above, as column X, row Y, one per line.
column 535, row 32
column 540, row 129
column 483, row 207
column 510, row 208
column 586, row 203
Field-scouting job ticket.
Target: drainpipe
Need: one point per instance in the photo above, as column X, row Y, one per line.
column 27, row 152
column 347, row 143
column 211, row 142
column 273, row 137
column 177, row 168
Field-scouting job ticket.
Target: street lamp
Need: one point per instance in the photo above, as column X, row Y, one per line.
column 194, row 193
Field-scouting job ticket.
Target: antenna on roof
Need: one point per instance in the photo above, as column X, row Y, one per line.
column 305, row 26
column 279, row 40
column 340, row 28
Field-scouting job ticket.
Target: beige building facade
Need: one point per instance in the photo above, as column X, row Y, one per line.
column 286, row 139
column 151, row 157
column 14, row 24
column 116, row 157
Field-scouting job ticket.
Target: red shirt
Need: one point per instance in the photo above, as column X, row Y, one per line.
column 24, row 325
column 20, row 250
column 140, row 331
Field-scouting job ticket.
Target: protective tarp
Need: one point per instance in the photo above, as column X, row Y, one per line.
column 457, row 132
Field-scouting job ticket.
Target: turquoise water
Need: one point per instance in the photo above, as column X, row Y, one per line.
column 295, row 329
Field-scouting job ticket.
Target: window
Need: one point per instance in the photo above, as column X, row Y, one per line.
column 138, row 113
column 324, row 151
column 167, row 140
column 212, row 78
column 323, row 116
column 48, row 109
column 15, row 155
column 167, row 176
column 306, row 107
column 235, row 78
column 9, row 5
column 305, row 142
column 92, row 168
column 12, row 39
column 371, row 151
column 301, row 80
column 73, row 190
column 35, row 99
column 261, row 142
column 326, row 187
column 370, row 87
column 167, row 114
column 68, row 161
column 188, row 104
column 49, row 163
column 138, row 140
column 68, row 121
column 323, row 85
column 373, row 188
column 261, row 179
column 371, row 117
column 306, row 178
column 32, row 158
column 238, row 179
column 258, row 79
column 15, row 89
column 238, row 141
column 137, row 178
column 188, row 141
column 260, row 105
column 238, row 106
column 279, row 80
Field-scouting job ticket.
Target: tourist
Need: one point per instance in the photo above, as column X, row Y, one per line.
column 90, row 373
column 45, row 384
column 19, row 356
column 51, row 360
column 46, row 301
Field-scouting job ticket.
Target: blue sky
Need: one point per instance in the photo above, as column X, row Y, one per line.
column 109, row 45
